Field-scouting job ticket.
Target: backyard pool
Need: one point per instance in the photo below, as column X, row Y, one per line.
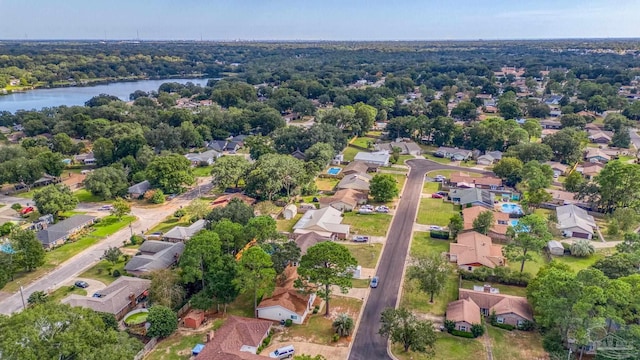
column 511, row 208
column 334, row 171
column 513, row 222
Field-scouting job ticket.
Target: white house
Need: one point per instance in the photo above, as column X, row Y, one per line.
column 575, row 222
column 290, row 211
column 326, row 222
column 453, row 153
column 207, row 157
column 377, row 158
column 287, row 303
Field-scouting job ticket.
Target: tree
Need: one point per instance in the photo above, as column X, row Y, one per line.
column 536, row 176
column 29, row 253
column 509, row 169
column 275, row 173
column 262, row 228
column 282, row 254
column 237, row 211
column 383, row 187
column 573, row 120
column 231, row 234
column 573, row 182
column 456, row 225
column 103, row 152
column 627, row 218
column 120, row 208
column 170, row 173
column 157, row 196
column 221, row 283
column 632, row 111
column 162, row 321
column 621, row 138
column 530, row 151
column 256, row 274
column 259, row 145
column 614, row 122
column 483, row 222
column 51, row 163
column 61, row 143
column 617, row 265
column 464, row 111
column 319, row 154
column 582, row 248
column 431, row 274
column 228, row 171
column 614, row 187
column 509, row 109
column 53, row 199
column 165, row 289
column 343, row 324
column 197, row 209
column 201, row 254
column 57, row 331
column 402, row 326
column 566, row 145
column 37, row 297
column 530, row 235
column 532, row 126
column 326, row 264
column 107, row 182
column 112, row 254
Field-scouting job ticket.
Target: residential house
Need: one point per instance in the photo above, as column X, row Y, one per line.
column 589, row 169
column 55, row 235
column 184, row 233
column 489, row 158
column 232, row 147
column 551, row 124
column 472, row 197
column 326, row 222
column 85, row 159
column 575, row 222
column 464, row 313
column 207, row 157
column 286, row 302
column 239, row 139
column 356, row 167
column 118, row 298
column 555, row 113
column 338, row 159
column 345, row 199
column 291, row 117
column 555, row 248
column 305, row 241
column 238, row 339
column 553, row 100
column 4, row 130
column 600, row 137
column 596, row 155
column 406, row 147
column 509, row 309
column 298, row 154
column 558, row 168
column 224, row 200
column 377, row 158
column 548, row 132
column 217, row 145
column 358, row 182
column 137, row 190
column 454, row 154
column 290, row 211
column 561, row 197
column 154, row 255
column 498, row 230
column 462, row 180
column 473, row 250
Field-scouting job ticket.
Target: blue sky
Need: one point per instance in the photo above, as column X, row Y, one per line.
column 318, row 20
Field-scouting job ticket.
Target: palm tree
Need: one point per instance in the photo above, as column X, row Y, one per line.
column 343, row 324
column 582, row 248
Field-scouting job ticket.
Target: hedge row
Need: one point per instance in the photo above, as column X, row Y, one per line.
column 463, row 334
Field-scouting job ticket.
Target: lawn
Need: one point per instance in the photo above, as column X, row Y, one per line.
column 430, row 187
column 102, row 271
column 468, row 163
column 363, row 142
column 178, row 346
column 326, row 184
column 24, row 195
column 65, row 291
column 515, row 344
column 423, row 245
column 368, row 224
column 61, row 254
column 531, row 266
column 287, row 225
column 83, row 195
column 168, row 224
column 447, row 347
column 401, row 179
column 201, row 171
column 366, row 254
column 575, row 263
column 435, row 212
column 504, row 289
column 404, row 158
column 626, row 158
column 447, row 173
column 349, row 153
column 242, row 306
column 360, row 283
column 436, row 159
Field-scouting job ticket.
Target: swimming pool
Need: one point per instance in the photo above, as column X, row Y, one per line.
column 511, row 208
column 514, row 222
column 334, row 171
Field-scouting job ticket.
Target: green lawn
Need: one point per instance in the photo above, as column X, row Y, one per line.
column 504, row 289
column 287, row 225
column 25, row 195
column 423, row 245
column 201, row 171
column 363, row 142
column 469, row 163
column 349, row 153
column 110, row 224
column 448, row 347
column 83, row 195
column 168, row 224
column 575, row 263
column 360, row 283
column 447, row 173
column 430, row 187
column 326, row 184
column 368, row 224
column 63, row 253
column 366, row 254
column 65, row 291
column 178, row 346
column 404, row 158
column 435, row 212
column 242, row 306
column 436, row 159
column 515, row 344
column 102, row 271
column 626, row 158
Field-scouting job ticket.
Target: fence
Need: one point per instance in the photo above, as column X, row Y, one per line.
column 147, row 348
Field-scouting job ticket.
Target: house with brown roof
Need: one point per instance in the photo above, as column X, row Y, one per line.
column 473, row 250
column 462, row 180
column 498, row 230
column 596, row 155
column 309, row 239
column 238, row 339
column 561, row 197
column 509, row 309
column 356, row 182
column 356, row 167
column 464, row 313
column 345, row 199
column 286, row 302
column 589, row 169
column 224, row 200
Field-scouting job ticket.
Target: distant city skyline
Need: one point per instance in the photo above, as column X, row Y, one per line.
column 321, row 20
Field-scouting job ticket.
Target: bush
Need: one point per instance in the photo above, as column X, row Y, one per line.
column 504, row 326
column 265, row 342
column 439, row 234
column 463, row 334
column 179, row 213
column 288, row 323
column 502, row 275
column 116, row 273
column 477, row 330
column 335, row 337
column 136, row 239
column 316, row 309
column 449, row 325
column 527, row 326
column 552, row 342
column 16, row 207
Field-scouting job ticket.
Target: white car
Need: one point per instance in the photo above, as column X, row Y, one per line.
column 106, row 208
column 360, row 238
column 435, row 228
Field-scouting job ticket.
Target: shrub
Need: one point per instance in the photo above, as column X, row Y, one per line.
column 116, row 273
column 335, row 337
column 136, row 239
column 477, row 330
column 527, row 326
column 504, row 326
column 316, row 309
column 288, row 323
column 265, row 342
column 16, row 207
column 463, row 334
column 449, row 325
column 179, row 213
column 158, row 197
column 439, row 234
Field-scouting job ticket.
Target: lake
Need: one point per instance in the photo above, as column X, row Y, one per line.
column 78, row 95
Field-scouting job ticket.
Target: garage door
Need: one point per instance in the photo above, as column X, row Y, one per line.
column 580, row 235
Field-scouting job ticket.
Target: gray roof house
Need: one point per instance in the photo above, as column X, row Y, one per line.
column 472, row 197
column 217, row 145
column 575, row 222
column 326, row 222
column 408, row 147
column 182, row 233
column 118, row 298
column 139, row 189
column 378, row 158
column 453, row 153
column 57, row 234
column 489, row 157
column 205, row 157
column 355, row 182
column 154, row 255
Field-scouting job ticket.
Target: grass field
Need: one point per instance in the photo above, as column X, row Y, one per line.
column 178, row 346
column 100, row 271
column 447, row 173
column 404, row 158
column 201, row 171
column 436, row 159
column 360, row 283
column 287, row 225
column 368, row 224
column 448, row 347
column 423, row 245
column 435, row 212
column 168, row 224
column 366, row 254
column 430, row 187
column 363, row 142
column 326, row 184
column 504, row 289
column 349, row 153
column 65, row 291
column 575, row 263
column 83, row 195
column 242, row 306
column 110, row 224
column 515, row 344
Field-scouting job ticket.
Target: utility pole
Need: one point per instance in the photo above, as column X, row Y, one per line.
column 24, row 305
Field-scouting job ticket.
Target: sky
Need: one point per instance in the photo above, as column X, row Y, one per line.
column 318, row 20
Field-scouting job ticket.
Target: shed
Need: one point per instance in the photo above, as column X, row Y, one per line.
column 193, row 319
column 555, row 248
column 290, row 211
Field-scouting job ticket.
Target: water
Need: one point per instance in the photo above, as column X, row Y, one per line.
column 511, row 208
column 76, row 95
column 334, row 171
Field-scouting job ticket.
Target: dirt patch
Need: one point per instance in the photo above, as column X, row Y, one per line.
column 301, row 347
column 74, row 181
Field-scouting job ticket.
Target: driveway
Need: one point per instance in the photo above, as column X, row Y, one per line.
column 94, row 285
column 301, row 347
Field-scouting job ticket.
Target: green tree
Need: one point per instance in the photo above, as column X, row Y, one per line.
column 402, row 326
column 165, row 289
column 51, row 163
column 221, row 281
column 483, row 222
column 259, row 145
column 157, row 197
column 112, row 254
column 530, row 235
column 262, row 228
column 326, row 264
column 319, row 154
column 162, row 321
column 383, row 187
column 170, row 173
column 53, row 199
column 456, row 225
column 464, row 111
column 256, row 274
column 509, row 169
column 528, row 151
column 582, row 248
column 237, row 211
column 61, row 143
column 621, row 138
column 197, row 209
column 614, row 187
column 107, row 182
column 573, row 120
column 343, row 324
column 228, row 171
column 509, row 109
column 283, row 254
column 431, row 274
column 103, row 151
column 632, row 111
column 120, row 208
column 29, row 253
column 201, row 254
column 274, row 173
column 532, row 126
column 627, row 218
column 232, row 235
column 574, row 182
column 37, row 297
column 617, row 265
column 566, row 145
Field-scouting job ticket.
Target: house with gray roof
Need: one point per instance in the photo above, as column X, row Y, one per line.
column 57, row 234
column 575, row 222
column 184, row 233
column 472, row 197
column 355, row 182
column 154, row 255
column 137, row 190
column 326, row 222
column 453, row 153
column 118, row 298
column 207, row 157
column 406, row 147
column 489, row 158
column 377, row 158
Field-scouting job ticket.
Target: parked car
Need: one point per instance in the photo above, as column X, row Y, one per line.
column 374, row 282
column 105, row 208
column 97, row 295
column 440, row 178
column 436, row 196
column 365, row 211
column 284, row 352
column 436, row 228
column 382, row 209
column 81, row 284
column 27, row 210
column 360, row 238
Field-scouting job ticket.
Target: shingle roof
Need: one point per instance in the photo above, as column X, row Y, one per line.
column 185, row 233
column 115, row 297
column 232, row 336
column 203, row 157
column 468, row 196
column 572, row 216
column 464, row 310
column 500, row 303
column 380, row 157
column 470, row 214
column 287, row 296
column 475, row 248
column 356, row 167
column 61, row 230
column 347, row 196
column 139, row 188
column 309, row 239
column 327, row 219
column 355, row 181
column 155, row 255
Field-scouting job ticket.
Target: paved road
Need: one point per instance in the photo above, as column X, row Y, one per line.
column 147, row 218
column 368, row 345
column 635, row 138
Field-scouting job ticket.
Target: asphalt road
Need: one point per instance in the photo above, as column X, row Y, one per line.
column 147, row 218
column 368, row 345
column 635, row 138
